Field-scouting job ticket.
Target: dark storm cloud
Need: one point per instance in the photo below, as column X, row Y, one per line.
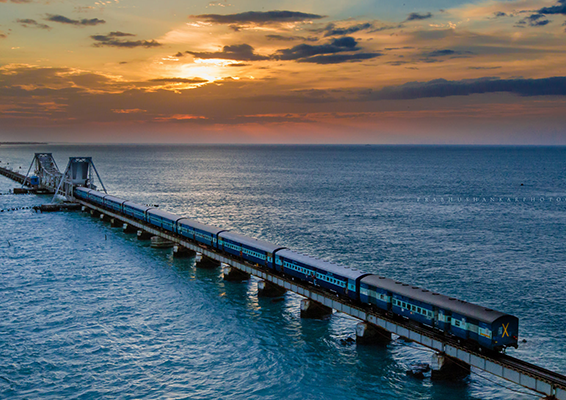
column 417, row 16
column 332, row 30
column 534, row 20
column 339, row 58
column 257, row 17
column 32, row 23
column 559, row 8
column 78, row 22
column 554, row 86
column 306, row 50
column 238, row 52
column 291, row 38
column 110, row 40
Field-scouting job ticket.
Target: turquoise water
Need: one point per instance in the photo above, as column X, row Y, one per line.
column 90, row 312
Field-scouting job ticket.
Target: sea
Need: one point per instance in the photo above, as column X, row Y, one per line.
column 90, row 312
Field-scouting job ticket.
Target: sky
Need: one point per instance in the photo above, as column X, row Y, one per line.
column 250, row 71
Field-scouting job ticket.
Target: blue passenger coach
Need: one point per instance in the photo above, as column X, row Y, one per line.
column 81, row 193
column 163, row 219
column 135, row 210
column 338, row 278
column 114, row 203
column 489, row 328
column 253, row 250
column 205, row 234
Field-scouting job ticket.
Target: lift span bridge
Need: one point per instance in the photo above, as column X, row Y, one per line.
column 449, row 354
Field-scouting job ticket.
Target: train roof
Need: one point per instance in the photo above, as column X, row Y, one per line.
column 164, row 214
column 347, row 272
column 203, row 227
column 137, row 206
column 114, row 198
column 82, row 189
column 248, row 241
column 426, row 296
column 97, row 193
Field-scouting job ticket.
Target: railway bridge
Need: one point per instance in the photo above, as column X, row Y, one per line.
column 449, row 355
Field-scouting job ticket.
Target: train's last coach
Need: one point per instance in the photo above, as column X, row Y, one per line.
column 491, row 329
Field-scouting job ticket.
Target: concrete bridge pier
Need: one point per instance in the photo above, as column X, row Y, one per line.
column 127, row 228
column 182, row 252
column 158, row 242
column 367, row 333
column 93, row 213
column 314, row 310
column 268, row 289
column 444, row 367
column 103, row 217
column 203, row 261
column 143, row 235
column 115, row 222
column 233, row 274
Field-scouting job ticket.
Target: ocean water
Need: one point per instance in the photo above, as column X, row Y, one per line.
column 88, row 312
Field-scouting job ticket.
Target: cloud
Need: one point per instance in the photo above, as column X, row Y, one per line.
column 291, row 38
column 178, row 80
column 339, row 58
column 237, row 52
column 332, row 30
column 306, row 50
column 329, row 53
column 16, row 1
column 417, row 17
column 499, row 14
column 32, row 23
column 554, row 86
column 3, row 35
column 256, row 17
column 534, row 20
column 110, row 40
column 445, row 53
column 559, row 8
column 478, row 68
column 82, row 22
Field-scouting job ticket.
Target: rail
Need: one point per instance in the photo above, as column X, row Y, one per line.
column 528, row 375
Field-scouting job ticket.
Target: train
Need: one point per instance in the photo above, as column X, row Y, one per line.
column 478, row 327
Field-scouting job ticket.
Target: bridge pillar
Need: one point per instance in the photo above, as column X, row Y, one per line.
column 127, row 228
column 115, row 222
column 444, row 367
column 367, row 333
column 233, row 274
column 158, row 242
column 268, row 289
column 180, row 252
column 143, row 235
column 92, row 213
column 314, row 310
column 103, row 217
column 203, row 261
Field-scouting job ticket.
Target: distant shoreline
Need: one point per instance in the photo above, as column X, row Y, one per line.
column 20, row 143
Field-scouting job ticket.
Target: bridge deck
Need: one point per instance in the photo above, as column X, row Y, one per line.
column 528, row 375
